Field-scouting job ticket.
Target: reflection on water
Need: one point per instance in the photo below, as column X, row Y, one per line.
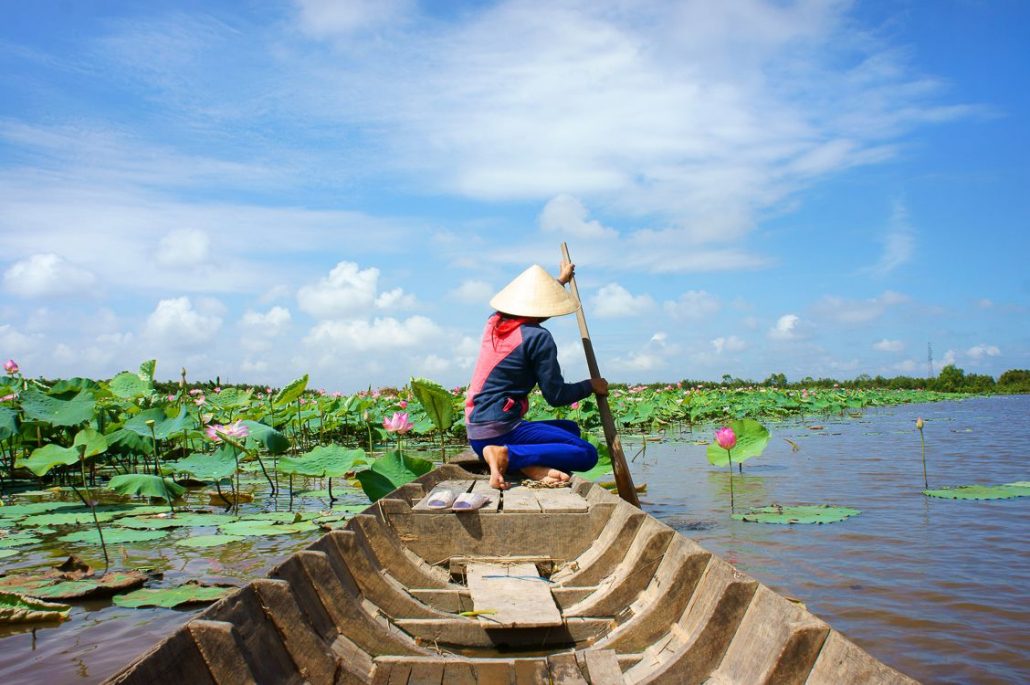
column 937, row 588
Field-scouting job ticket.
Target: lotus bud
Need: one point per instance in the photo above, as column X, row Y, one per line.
column 11, row 367
column 150, row 423
column 919, row 423
column 726, row 438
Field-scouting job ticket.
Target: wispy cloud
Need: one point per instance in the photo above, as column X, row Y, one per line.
column 899, row 243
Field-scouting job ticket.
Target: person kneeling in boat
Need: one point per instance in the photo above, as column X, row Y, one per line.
column 517, row 354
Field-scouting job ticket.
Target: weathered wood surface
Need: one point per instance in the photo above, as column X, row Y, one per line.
column 629, row 601
column 515, row 594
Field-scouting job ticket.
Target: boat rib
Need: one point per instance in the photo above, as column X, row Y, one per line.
column 564, row 585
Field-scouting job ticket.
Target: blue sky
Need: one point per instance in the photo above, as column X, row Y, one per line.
column 262, row 189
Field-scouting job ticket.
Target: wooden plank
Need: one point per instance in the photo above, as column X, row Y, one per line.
column 426, row 673
column 565, row 670
column 514, row 593
column 455, row 486
column 602, row 666
column 483, row 488
column 520, row 500
column 532, row 672
column 561, row 501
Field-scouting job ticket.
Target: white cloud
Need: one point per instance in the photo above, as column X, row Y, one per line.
column 395, row 299
column 473, row 292
column 46, row 275
column 898, row 243
column 187, row 247
column 380, row 334
column 729, row 343
column 613, row 301
column 566, row 216
column 984, row 303
column 856, row 312
column 693, row 304
column 639, row 361
column 347, row 290
column 786, row 328
column 886, row 345
column 329, row 18
column 983, row 350
column 949, row 358
column 176, row 323
column 274, row 322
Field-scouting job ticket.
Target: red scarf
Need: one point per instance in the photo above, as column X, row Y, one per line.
column 504, row 326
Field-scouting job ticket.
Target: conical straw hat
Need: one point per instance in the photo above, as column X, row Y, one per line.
column 534, row 293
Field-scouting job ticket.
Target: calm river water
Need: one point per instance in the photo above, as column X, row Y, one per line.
column 939, row 589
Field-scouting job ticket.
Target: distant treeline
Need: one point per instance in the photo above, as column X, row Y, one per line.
column 950, row 379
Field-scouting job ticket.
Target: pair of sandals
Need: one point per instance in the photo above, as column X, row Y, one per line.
column 466, row 501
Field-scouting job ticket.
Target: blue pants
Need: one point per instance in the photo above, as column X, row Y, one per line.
column 554, row 444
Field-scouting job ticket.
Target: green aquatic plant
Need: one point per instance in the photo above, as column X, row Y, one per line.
column 922, row 441
column 817, row 513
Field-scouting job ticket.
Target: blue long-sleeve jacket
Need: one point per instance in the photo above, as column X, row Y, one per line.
column 509, row 367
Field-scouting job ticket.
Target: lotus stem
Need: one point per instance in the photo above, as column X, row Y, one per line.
column 92, row 509
column 922, row 440
column 729, row 456
column 153, row 439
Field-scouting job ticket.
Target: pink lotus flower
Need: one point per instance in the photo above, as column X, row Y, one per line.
column 726, row 438
column 11, row 367
column 8, row 398
column 574, row 405
column 171, row 398
column 233, row 430
column 196, row 391
column 398, row 423
column 200, row 401
column 403, row 404
column 218, row 389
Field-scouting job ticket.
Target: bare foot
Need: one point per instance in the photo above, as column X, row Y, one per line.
column 545, row 474
column 496, row 457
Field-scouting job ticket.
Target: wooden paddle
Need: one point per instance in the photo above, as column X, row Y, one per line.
column 623, row 479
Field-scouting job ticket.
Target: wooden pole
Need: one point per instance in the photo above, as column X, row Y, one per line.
column 623, row 479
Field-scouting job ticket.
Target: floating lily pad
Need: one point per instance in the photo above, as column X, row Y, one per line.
column 265, row 528
column 149, row 523
column 4, row 553
column 282, row 516
column 208, row 540
column 15, row 608
column 188, row 593
column 68, row 587
column 114, row 536
column 818, row 513
column 182, row 519
column 29, row 508
column 1006, row 491
column 76, row 518
column 146, row 485
column 18, row 540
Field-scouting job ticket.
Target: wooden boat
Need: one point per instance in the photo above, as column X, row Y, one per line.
column 568, row 585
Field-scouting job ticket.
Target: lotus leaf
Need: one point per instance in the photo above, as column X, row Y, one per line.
column 292, row 391
column 67, row 518
column 47, row 457
column 208, row 540
column 57, row 412
column 188, row 593
column 818, row 513
column 18, row 540
column 147, row 369
column 129, row 385
column 326, row 461
column 69, row 387
column 266, row 436
column 164, row 427
column 15, row 608
column 94, row 442
column 263, row 528
column 8, row 423
column 391, row 471
column 1006, row 491
column 13, row 510
column 215, row 466
column 149, row 523
column 604, row 459
column 282, row 516
column 752, row 437
column 124, row 440
column 114, row 536
column 4, row 553
column 66, row 586
column 229, row 398
column 146, row 485
column 187, row 519
column 436, row 400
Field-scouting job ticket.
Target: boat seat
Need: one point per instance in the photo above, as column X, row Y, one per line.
column 589, row 667
column 511, row 595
